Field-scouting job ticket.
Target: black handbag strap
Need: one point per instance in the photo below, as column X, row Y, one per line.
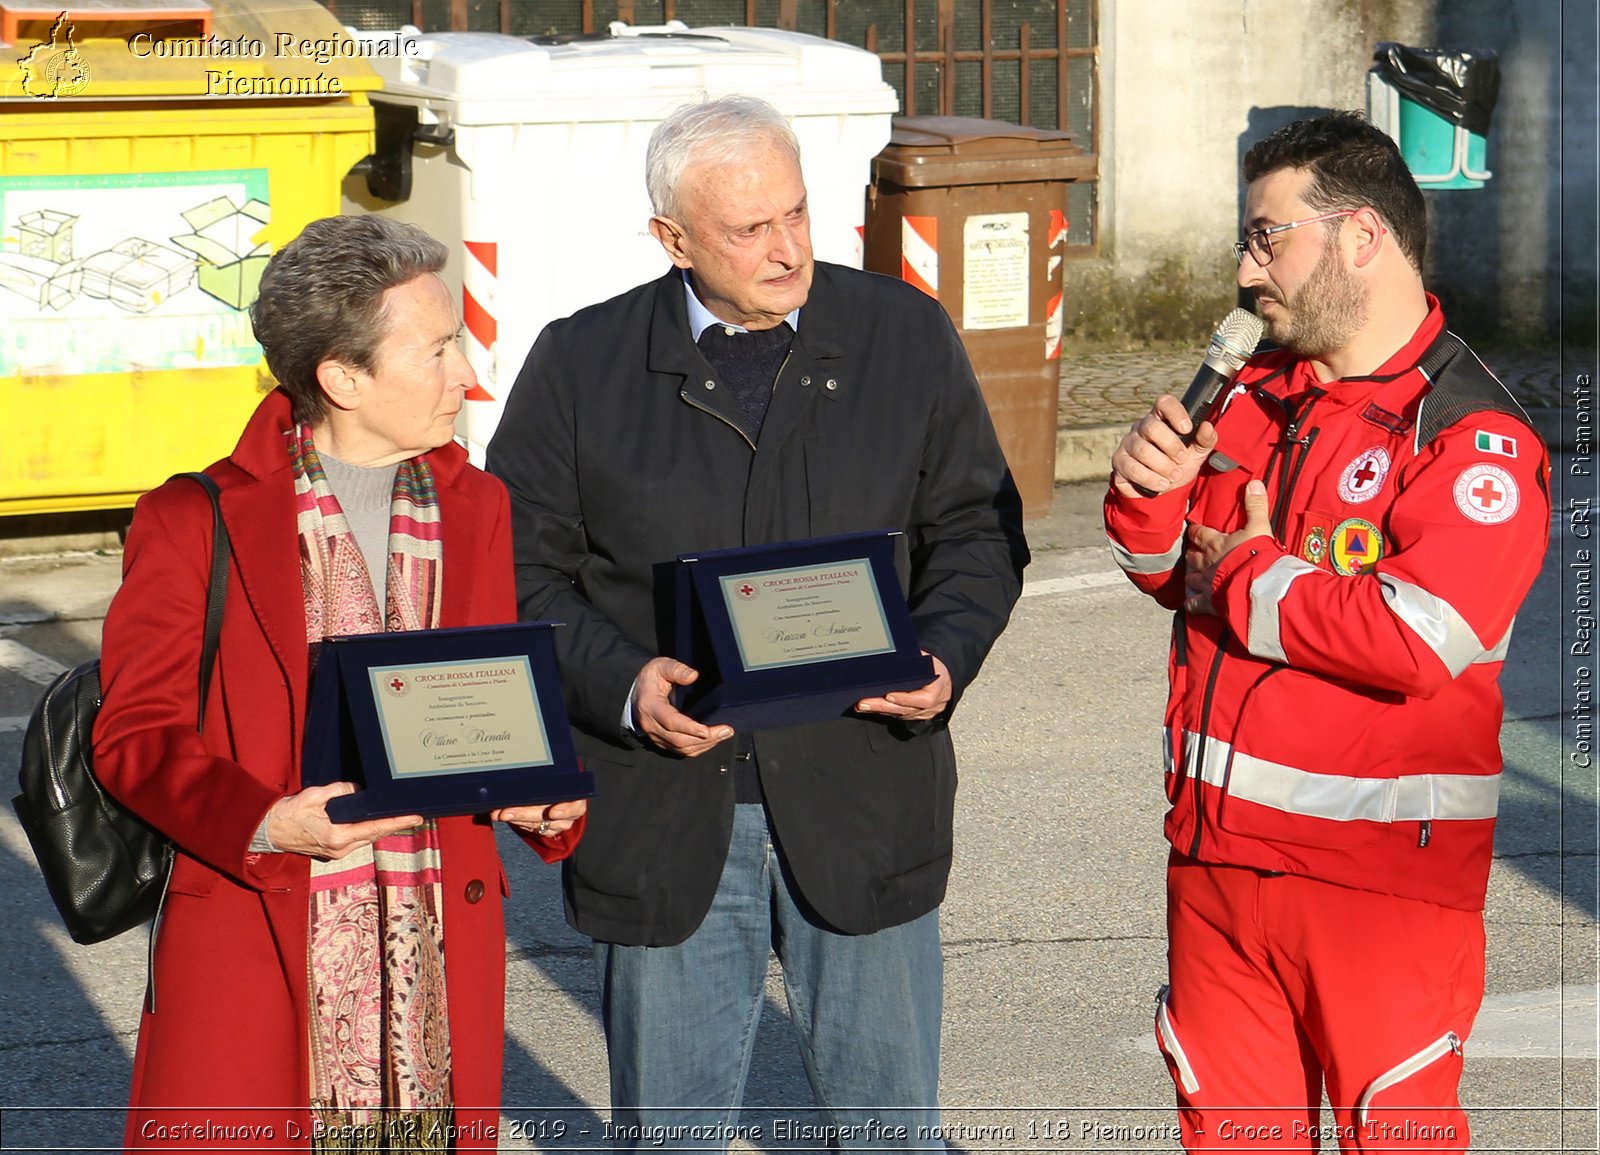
column 216, row 594
column 216, row 602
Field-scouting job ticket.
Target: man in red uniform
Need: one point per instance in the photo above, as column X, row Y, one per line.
column 1346, row 542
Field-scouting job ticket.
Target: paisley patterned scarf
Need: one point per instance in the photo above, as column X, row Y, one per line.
column 380, row 1040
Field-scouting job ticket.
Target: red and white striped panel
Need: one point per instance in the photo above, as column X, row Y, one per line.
column 478, row 284
column 1058, row 228
column 1052, row 328
column 1053, row 310
column 919, row 253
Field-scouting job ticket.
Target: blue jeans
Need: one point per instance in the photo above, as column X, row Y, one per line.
column 680, row 1021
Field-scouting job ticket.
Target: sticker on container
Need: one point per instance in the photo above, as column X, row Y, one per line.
column 1052, row 328
column 144, row 271
column 919, row 253
column 994, row 289
column 479, row 289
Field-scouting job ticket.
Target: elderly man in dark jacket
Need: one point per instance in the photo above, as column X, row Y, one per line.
column 752, row 396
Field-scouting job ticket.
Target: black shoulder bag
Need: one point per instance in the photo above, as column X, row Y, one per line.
column 106, row 869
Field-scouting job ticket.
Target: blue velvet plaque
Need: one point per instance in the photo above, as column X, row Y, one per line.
column 440, row 722
column 794, row 632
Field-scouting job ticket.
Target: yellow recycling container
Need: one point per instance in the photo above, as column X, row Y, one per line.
column 152, row 157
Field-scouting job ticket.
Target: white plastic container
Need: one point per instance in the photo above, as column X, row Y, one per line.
column 528, row 162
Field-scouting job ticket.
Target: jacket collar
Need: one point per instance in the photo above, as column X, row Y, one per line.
column 258, row 509
column 262, row 450
column 672, row 348
column 824, row 323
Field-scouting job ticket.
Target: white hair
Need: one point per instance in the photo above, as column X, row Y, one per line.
column 715, row 131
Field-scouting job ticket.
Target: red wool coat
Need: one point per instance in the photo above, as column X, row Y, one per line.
column 224, row 1060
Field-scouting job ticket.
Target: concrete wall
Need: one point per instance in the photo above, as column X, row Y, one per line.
column 1188, row 86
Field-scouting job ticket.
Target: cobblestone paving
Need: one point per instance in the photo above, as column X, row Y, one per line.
column 1117, row 388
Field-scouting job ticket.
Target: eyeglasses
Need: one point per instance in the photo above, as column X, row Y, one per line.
column 1258, row 242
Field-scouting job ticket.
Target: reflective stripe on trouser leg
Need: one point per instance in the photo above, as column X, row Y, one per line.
column 1393, row 1031
column 1370, row 988
column 1253, row 1081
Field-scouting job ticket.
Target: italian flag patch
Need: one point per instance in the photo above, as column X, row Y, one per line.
column 1496, row 444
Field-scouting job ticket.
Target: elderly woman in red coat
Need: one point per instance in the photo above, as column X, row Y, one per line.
column 320, row 984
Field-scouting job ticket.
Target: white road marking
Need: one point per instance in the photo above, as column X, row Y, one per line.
column 1076, row 583
column 1553, row 1023
column 22, row 661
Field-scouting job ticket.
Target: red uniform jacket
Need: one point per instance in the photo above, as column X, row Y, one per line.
column 228, row 1041
column 1339, row 715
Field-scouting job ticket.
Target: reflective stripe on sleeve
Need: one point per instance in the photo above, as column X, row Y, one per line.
column 1338, row 797
column 1435, row 621
column 1146, row 563
column 1501, row 649
column 1264, row 640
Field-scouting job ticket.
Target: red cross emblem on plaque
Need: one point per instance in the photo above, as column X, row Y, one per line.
column 397, row 684
column 747, row 590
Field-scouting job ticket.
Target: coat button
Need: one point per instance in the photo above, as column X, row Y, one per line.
column 475, row 891
column 806, row 380
column 831, row 384
column 711, row 384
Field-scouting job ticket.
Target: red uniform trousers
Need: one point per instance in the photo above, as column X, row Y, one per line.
column 1281, row 982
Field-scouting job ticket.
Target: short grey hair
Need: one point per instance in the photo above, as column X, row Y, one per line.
column 321, row 298
column 715, row 131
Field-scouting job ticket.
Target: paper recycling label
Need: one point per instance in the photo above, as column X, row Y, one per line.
column 995, row 271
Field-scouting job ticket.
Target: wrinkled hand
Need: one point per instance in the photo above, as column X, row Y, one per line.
column 299, row 824
column 1207, row 548
column 913, row 705
column 544, row 821
column 659, row 720
column 1153, row 458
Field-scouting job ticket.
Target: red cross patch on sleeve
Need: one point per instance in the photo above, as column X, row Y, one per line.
column 1486, row 493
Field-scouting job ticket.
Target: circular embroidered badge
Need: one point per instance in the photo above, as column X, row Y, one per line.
column 1363, row 477
column 1486, row 494
column 1356, row 546
column 1315, row 547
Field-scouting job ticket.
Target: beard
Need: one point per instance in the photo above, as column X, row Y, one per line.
column 1324, row 312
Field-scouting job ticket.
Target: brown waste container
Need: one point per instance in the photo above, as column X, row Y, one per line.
column 973, row 212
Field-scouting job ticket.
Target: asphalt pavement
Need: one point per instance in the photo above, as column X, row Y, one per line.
column 1053, row 927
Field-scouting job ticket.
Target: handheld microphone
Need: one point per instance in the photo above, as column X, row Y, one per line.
column 1231, row 345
